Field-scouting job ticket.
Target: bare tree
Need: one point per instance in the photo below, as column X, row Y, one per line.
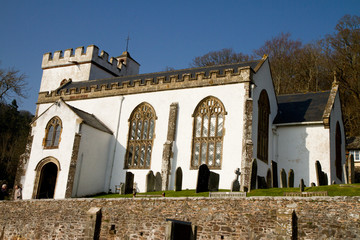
column 12, row 84
column 223, row 56
column 343, row 49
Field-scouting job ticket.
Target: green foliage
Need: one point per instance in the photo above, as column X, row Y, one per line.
column 14, row 127
column 333, row 190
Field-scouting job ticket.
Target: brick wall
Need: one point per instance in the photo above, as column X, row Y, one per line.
column 245, row 218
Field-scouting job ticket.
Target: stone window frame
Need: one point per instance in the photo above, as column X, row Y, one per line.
column 208, row 106
column 53, row 122
column 338, row 157
column 356, row 155
column 263, row 127
column 140, row 139
column 38, row 170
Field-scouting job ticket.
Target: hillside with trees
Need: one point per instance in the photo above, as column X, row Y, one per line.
column 312, row 67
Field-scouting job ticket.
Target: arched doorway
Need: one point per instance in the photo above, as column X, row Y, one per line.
column 46, row 176
column 47, row 181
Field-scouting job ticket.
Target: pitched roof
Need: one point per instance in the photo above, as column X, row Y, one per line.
column 90, row 119
column 299, row 108
column 353, row 143
column 166, row 75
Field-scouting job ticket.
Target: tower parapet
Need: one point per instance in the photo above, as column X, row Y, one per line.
column 81, row 65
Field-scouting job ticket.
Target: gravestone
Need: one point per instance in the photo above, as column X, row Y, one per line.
column 268, row 179
column 213, row 185
column 346, row 175
column 283, row 180
column 178, row 179
column 261, row 182
column 321, row 177
column 253, row 175
column 129, row 183
column 122, row 188
column 313, row 184
column 235, row 185
column 302, row 185
column 203, row 179
column 150, row 182
column 274, row 174
column 291, row 178
column 158, row 182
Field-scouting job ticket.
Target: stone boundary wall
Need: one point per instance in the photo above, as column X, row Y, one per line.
column 220, row 218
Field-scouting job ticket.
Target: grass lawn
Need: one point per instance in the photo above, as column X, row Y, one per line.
column 333, row 190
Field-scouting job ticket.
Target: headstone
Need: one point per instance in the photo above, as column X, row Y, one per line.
column 283, row 180
column 129, row 183
column 261, row 182
column 325, row 178
column 235, row 185
column 122, row 188
column 313, row 184
column 253, row 175
column 150, row 182
column 302, row 185
column 178, row 179
column 268, row 179
column 213, row 185
column 291, row 178
column 319, row 175
column 158, row 182
column 203, row 179
column 274, row 174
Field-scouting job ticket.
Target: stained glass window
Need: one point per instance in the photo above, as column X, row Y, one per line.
column 53, row 133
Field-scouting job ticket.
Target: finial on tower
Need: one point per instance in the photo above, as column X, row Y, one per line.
column 127, row 42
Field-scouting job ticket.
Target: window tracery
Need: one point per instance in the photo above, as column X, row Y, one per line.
column 141, row 137
column 208, row 133
column 53, row 133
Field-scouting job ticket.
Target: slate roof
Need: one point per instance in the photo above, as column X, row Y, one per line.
column 299, row 108
column 90, row 120
column 353, row 143
column 154, row 76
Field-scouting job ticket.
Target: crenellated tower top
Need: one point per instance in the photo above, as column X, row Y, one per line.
column 81, row 65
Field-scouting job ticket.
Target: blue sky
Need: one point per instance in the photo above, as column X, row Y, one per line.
column 162, row 33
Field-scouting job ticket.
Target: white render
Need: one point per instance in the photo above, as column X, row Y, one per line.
column 100, row 163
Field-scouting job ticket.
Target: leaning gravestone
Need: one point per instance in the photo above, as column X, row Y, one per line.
column 321, row 177
column 203, row 179
column 253, row 175
column 291, row 178
column 235, row 185
column 129, row 183
column 150, row 182
column 213, row 184
column 178, row 179
column 268, row 179
column 283, row 178
column 158, row 182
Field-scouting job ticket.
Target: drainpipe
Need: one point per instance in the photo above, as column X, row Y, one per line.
column 115, row 142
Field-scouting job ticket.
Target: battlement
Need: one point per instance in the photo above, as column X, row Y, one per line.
column 147, row 83
column 91, row 55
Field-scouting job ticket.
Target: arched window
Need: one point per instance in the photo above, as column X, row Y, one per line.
column 53, row 133
column 141, row 137
column 263, row 127
column 338, row 152
column 208, row 133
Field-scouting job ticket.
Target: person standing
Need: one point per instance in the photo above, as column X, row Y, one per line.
column 17, row 192
column 4, row 193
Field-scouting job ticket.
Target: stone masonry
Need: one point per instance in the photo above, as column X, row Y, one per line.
column 220, row 218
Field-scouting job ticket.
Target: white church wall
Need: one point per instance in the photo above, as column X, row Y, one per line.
column 336, row 116
column 107, row 110
column 94, row 153
column 263, row 81
column 62, row 153
column 299, row 147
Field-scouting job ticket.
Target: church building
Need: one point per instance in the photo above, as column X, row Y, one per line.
column 100, row 126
